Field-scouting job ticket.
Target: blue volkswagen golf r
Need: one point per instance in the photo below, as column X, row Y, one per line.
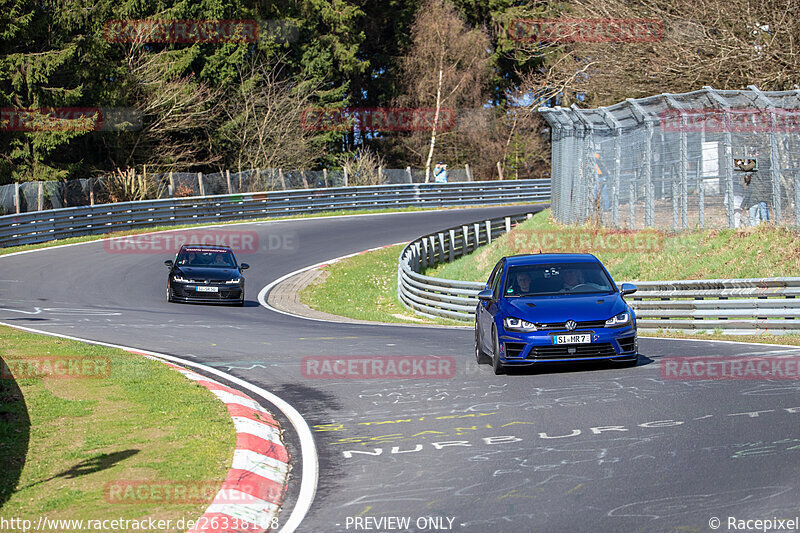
column 553, row 308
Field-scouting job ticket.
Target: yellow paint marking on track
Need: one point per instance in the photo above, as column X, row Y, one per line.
column 573, row 489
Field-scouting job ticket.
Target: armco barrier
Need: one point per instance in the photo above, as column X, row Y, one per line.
column 42, row 226
column 732, row 306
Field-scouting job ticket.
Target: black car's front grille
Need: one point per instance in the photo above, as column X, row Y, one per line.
column 514, row 349
column 601, row 349
column 628, row 344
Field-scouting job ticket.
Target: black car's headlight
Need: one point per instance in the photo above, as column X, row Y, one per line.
column 622, row 319
column 181, row 280
column 237, row 280
column 517, row 324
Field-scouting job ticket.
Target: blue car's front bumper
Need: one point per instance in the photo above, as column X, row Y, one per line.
column 517, row 348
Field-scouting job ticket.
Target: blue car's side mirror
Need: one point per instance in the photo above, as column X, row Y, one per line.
column 628, row 288
column 486, row 295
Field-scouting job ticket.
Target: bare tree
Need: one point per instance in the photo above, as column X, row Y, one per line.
column 727, row 45
column 445, row 67
column 176, row 112
column 362, row 167
column 266, row 124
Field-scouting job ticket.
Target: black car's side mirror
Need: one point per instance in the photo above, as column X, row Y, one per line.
column 486, row 295
column 628, row 288
column 168, row 262
column 244, row 266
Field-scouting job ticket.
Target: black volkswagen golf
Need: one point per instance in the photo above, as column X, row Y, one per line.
column 205, row 274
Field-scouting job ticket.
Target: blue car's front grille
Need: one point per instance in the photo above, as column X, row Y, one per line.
column 600, row 349
column 581, row 325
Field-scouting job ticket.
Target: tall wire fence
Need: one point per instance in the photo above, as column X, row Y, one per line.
column 707, row 158
column 41, row 195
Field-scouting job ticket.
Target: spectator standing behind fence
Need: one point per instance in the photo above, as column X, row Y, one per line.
column 756, row 195
column 440, row 173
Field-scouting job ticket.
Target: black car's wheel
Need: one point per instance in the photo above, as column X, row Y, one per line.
column 480, row 356
column 498, row 366
column 169, row 295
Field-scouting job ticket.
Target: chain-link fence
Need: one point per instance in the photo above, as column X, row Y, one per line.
column 707, row 158
column 41, row 195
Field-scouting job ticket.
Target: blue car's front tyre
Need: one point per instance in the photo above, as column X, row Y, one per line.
column 497, row 365
column 480, row 356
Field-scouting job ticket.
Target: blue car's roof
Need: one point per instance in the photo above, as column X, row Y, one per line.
column 538, row 259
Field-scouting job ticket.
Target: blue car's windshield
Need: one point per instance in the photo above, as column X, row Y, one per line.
column 557, row 278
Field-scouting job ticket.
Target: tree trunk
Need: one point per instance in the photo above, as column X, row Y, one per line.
column 433, row 130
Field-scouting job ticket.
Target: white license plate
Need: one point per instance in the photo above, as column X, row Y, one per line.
column 204, row 288
column 578, row 338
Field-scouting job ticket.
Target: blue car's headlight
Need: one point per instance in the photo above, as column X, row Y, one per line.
column 516, row 324
column 622, row 319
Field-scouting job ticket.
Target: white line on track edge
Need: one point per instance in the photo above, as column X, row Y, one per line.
column 308, row 450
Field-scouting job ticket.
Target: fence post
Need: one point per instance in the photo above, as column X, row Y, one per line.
column 380, row 174
column 325, row 177
column 508, row 224
column 797, row 200
column 684, row 162
column 345, row 176
column 228, row 180
column 701, row 200
column 477, row 228
column 441, row 247
column 469, row 172
column 465, row 233
column 283, row 181
column 303, row 175
column 500, row 171
column 452, row 233
column 171, row 185
column 16, row 197
column 649, row 187
column 200, row 182
column 408, row 173
column 91, row 191
column 615, row 190
column 40, row 196
column 488, row 232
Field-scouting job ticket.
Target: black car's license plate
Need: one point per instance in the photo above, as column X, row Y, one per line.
column 205, row 288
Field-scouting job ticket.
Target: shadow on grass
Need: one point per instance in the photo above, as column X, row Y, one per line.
column 15, row 429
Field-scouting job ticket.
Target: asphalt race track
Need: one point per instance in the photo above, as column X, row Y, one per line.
column 589, row 448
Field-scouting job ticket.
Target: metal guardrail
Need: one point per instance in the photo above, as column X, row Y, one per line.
column 42, row 226
column 732, row 306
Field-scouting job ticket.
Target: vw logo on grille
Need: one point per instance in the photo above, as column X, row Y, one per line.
column 571, row 324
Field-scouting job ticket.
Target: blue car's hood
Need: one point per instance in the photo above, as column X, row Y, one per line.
column 211, row 274
column 562, row 308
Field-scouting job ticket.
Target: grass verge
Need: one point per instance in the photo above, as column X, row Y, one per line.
column 751, row 252
column 364, row 287
column 64, row 439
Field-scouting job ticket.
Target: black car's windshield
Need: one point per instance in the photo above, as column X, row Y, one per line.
column 206, row 257
column 557, row 278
